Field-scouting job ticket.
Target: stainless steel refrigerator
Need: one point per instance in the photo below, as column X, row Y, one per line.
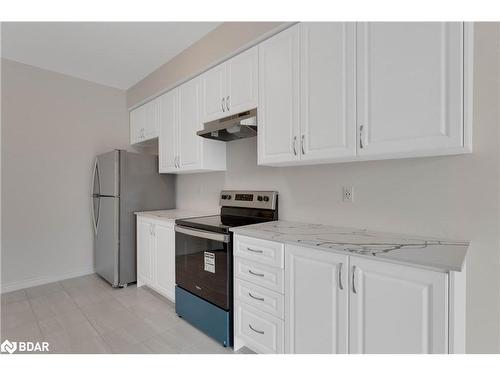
column 123, row 183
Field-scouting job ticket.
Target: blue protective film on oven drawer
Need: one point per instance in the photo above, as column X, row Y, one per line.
column 205, row 316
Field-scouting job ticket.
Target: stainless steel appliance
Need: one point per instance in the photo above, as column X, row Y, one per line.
column 123, row 183
column 241, row 125
column 204, row 260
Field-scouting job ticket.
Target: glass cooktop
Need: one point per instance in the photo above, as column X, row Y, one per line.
column 217, row 223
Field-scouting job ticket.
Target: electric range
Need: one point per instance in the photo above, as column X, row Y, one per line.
column 204, row 260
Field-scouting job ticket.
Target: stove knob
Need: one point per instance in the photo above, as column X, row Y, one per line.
column 223, row 196
column 266, row 198
column 259, row 198
column 228, row 197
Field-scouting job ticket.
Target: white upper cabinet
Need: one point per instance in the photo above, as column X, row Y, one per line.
column 410, row 88
column 214, row 93
column 243, row 81
column 231, row 87
column 144, row 122
column 137, row 120
column 397, row 309
column 189, row 123
column 181, row 150
column 316, row 307
column 365, row 91
column 167, row 144
column 308, row 73
column 278, row 112
column 327, row 90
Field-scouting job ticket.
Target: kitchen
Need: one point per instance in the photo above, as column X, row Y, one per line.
column 373, row 144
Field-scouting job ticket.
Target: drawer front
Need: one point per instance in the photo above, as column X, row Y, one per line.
column 261, row 298
column 259, row 331
column 260, row 274
column 267, row 252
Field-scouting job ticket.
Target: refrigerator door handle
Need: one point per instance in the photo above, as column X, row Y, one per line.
column 95, row 173
column 95, row 220
column 95, row 195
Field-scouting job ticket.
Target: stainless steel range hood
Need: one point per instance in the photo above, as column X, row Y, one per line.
column 241, row 125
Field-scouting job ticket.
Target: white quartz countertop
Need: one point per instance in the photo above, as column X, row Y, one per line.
column 172, row 215
column 439, row 254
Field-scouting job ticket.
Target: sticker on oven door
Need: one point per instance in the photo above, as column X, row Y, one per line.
column 209, row 262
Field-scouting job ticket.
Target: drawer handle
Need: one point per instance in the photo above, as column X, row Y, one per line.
column 256, row 274
column 255, row 251
column 255, row 330
column 257, row 298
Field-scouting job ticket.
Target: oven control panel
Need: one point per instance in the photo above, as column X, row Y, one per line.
column 251, row 199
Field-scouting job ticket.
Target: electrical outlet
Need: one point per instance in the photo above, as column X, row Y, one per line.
column 347, row 194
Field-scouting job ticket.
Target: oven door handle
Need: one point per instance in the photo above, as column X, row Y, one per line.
column 203, row 234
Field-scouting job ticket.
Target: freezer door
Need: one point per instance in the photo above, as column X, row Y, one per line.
column 108, row 173
column 107, row 239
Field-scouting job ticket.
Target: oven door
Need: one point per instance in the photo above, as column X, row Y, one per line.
column 203, row 264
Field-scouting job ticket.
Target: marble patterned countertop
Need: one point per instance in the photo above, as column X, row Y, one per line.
column 439, row 254
column 171, row 215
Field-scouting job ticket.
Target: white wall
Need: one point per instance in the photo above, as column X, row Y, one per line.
column 52, row 128
column 453, row 196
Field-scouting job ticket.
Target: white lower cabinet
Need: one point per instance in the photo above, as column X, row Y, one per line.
column 397, row 309
column 316, row 301
column 144, row 252
column 257, row 330
column 258, row 295
column 156, row 256
column 336, row 303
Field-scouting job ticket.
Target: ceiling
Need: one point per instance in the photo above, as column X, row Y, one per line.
column 116, row 54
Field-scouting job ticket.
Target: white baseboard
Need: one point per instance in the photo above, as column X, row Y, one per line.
column 28, row 283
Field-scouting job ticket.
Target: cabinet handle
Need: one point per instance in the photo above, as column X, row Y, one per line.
column 294, row 144
column 341, row 287
column 254, row 251
column 227, row 103
column 302, row 144
column 361, row 136
column 222, row 104
column 255, row 330
column 256, row 274
column 257, row 298
column 354, row 280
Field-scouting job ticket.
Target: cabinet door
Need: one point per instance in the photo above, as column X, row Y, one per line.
column 165, row 260
column 214, row 93
column 137, row 121
column 278, row 113
column 189, row 124
column 327, row 93
column 315, row 301
column 144, row 253
column 151, row 119
column 397, row 309
column 410, row 87
column 242, row 81
column 167, row 145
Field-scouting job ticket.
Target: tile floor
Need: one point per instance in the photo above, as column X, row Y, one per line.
column 86, row 315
